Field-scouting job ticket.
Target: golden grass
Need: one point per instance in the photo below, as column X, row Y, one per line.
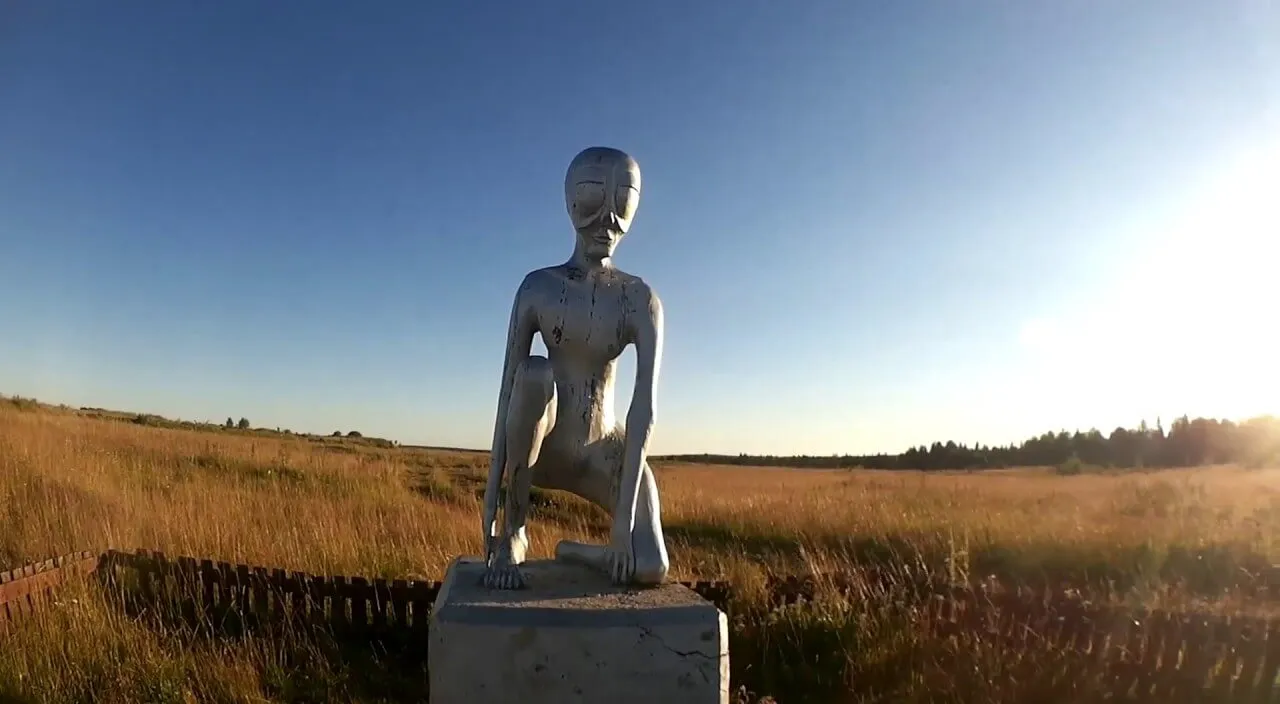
column 69, row 482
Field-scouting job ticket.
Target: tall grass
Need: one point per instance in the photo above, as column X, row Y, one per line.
column 68, row 482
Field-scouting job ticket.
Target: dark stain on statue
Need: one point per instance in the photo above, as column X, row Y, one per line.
column 558, row 333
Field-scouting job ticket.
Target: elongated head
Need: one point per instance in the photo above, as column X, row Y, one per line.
column 601, row 193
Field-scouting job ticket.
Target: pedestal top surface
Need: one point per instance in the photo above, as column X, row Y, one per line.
column 559, row 594
column 556, row 585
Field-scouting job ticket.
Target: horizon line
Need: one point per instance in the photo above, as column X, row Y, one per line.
column 655, row 456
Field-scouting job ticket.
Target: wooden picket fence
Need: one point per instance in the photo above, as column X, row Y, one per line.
column 921, row 584
column 1145, row 655
column 236, row 598
column 1137, row 654
column 232, row 597
column 25, row 589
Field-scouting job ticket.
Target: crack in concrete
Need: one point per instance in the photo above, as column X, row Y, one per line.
column 684, row 654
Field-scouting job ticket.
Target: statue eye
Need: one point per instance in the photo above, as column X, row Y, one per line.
column 588, row 197
column 625, row 199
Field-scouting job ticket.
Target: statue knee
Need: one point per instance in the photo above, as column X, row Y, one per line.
column 651, row 574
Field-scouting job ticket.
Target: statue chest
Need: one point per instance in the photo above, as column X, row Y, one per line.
column 589, row 318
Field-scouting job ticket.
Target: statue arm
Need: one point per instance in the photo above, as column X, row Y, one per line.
column 520, row 331
column 642, row 413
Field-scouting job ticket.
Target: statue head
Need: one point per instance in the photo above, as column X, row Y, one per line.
column 601, row 193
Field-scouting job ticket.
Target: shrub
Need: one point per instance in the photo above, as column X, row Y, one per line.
column 1071, row 467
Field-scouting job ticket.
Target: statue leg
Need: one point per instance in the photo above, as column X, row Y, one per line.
column 531, row 414
column 647, row 541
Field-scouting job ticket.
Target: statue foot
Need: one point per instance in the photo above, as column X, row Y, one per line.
column 504, row 568
column 503, row 577
column 646, row 572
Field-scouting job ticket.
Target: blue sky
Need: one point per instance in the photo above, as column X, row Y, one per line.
column 873, row 224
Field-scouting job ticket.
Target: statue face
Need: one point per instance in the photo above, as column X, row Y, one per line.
column 602, row 192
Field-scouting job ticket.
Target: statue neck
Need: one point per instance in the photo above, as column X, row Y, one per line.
column 588, row 262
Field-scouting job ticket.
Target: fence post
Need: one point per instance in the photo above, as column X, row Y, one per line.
column 359, row 590
column 338, row 618
column 244, row 587
column 380, row 598
column 143, row 565
column 279, row 585
column 400, row 604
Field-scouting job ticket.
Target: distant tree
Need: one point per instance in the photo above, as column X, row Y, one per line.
column 243, row 424
column 337, row 433
column 230, row 423
column 354, row 434
column 1187, row 442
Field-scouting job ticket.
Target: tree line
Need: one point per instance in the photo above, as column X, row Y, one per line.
column 1187, row 443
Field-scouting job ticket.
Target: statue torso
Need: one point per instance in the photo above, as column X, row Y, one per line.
column 586, row 320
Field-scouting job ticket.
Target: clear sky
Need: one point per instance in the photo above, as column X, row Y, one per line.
column 873, row 224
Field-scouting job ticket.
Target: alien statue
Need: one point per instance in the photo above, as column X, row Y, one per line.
column 556, row 427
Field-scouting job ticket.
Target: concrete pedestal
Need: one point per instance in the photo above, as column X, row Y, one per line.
column 571, row 636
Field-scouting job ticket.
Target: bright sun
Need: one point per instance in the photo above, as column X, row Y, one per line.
column 1195, row 324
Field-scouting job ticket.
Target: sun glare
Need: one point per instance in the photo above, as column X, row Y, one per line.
column 1194, row 326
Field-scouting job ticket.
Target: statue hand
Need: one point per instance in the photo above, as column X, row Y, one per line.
column 620, row 557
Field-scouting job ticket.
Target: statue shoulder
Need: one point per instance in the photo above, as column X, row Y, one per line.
column 535, row 280
column 645, row 297
column 633, row 283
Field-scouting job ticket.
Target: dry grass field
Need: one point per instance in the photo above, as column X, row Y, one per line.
column 340, row 506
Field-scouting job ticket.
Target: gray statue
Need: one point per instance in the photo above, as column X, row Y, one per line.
column 556, row 427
